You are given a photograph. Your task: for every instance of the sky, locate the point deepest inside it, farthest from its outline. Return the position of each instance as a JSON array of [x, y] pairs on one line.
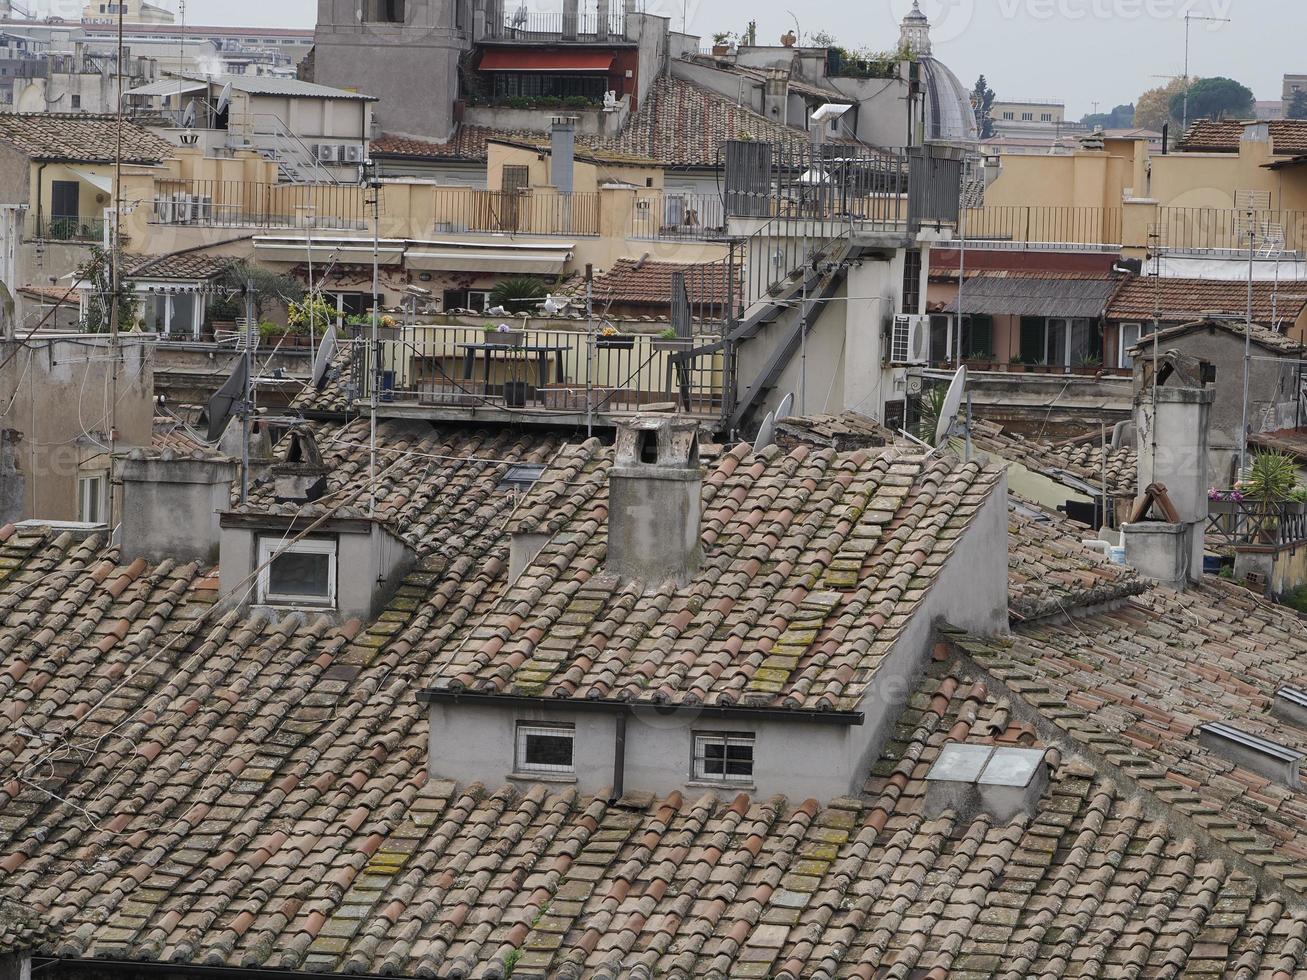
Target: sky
[[1078, 51]]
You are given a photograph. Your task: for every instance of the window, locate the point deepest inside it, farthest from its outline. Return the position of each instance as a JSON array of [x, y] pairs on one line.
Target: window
[[723, 757], [1046, 117], [1027, 117], [76, 101], [384, 11], [91, 498], [1130, 334], [1010, 116], [545, 748], [303, 574], [477, 300]]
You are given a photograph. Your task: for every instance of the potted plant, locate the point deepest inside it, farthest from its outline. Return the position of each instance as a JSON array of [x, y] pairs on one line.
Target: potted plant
[[271, 332], [1297, 503], [503, 335], [520, 294], [608, 338], [1270, 481], [1223, 501], [1089, 365], [721, 44], [222, 313], [669, 341]]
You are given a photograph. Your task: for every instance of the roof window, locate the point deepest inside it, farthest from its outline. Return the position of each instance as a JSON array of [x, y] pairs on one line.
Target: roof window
[[521, 477], [1001, 781]]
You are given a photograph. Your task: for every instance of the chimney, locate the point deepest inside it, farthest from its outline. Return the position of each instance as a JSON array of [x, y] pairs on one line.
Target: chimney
[[776, 96], [301, 477], [655, 501], [562, 158], [1171, 420], [171, 504]]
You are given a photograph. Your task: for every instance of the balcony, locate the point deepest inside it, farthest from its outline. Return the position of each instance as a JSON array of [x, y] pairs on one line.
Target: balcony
[[554, 375], [249, 204], [587, 26], [85, 229]]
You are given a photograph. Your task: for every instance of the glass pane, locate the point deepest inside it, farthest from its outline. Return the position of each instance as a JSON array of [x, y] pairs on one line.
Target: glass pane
[[939, 339], [739, 759], [152, 313], [183, 315], [551, 750], [1057, 340], [296, 574], [1032, 340]]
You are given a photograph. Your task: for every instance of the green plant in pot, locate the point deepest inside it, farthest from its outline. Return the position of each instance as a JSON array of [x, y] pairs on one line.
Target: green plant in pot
[[518, 295], [1269, 483]]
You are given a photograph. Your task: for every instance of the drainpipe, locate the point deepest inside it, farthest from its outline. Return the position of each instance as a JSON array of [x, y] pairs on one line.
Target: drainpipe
[[40, 179], [619, 760]]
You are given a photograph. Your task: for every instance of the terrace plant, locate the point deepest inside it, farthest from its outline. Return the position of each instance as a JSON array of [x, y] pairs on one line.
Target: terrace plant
[[518, 295]]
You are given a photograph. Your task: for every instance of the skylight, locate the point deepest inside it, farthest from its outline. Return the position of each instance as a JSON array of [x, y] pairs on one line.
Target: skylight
[[521, 477]]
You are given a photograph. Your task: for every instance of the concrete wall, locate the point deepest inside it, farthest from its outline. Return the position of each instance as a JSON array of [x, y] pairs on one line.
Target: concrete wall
[[171, 506], [55, 393]]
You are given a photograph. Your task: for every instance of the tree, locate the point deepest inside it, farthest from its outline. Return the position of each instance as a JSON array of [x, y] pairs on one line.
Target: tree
[[982, 100], [1297, 108], [1153, 108], [1215, 98], [269, 286], [97, 273], [1122, 117]]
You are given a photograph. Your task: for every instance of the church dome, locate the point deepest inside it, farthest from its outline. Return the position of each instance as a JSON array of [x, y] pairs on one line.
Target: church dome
[[950, 117]]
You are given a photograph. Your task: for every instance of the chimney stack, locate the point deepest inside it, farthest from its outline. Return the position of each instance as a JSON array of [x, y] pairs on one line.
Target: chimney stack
[[655, 501], [171, 504], [302, 477], [1172, 423], [562, 157]]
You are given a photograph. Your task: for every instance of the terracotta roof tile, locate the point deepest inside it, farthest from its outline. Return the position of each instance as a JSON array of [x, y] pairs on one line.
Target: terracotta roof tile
[[80, 138], [1082, 459], [1288, 136], [1140, 298], [636, 282]]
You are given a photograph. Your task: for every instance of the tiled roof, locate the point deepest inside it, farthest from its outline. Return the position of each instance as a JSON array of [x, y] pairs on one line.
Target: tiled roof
[[186, 265], [171, 434], [1051, 573], [849, 430], [1291, 441], [649, 283], [1261, 337], [813, 563], [1134, 684], [1082, 459], [256, 797], [1140, 297], [21, 929], [1288, 136], [678, 123], [1001, 293], [80, 138]]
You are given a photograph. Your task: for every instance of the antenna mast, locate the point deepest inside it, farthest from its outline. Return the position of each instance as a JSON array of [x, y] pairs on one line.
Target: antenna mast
[[115, 271]]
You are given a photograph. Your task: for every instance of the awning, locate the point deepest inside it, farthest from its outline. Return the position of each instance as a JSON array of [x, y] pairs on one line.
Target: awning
[[168, 87], [101, 182], [527, 60], [276, 248], [544, 260], [1012, 296]]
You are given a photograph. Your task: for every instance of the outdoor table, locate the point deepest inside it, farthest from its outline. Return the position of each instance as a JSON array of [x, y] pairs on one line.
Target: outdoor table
[[541, 352]]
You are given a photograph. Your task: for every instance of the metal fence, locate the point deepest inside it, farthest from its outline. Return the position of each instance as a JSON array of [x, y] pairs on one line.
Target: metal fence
[[549, 371], [672, 216], [1038, 225], [585, 26], [529, 212], [238, 203], [1226, 229], [66, 228]]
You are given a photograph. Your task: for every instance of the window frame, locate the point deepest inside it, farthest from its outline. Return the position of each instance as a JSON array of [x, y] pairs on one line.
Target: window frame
[[698, 771], [85, 480], [524, 729], [271, 547]]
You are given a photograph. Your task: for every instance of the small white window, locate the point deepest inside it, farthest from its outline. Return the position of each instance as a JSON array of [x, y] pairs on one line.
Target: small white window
[[545, 748], [1131, 334], [91, 497], [300, 574], [723, 757]]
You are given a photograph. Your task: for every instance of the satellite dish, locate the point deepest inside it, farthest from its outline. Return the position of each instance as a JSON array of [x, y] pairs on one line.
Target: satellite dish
[[766, 434], [188, 117], [786, 409], [948, 416], [224, 100], [322, 362], [222, 406]]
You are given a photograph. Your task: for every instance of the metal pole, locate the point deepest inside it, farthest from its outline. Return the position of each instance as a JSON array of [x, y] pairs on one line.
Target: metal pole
[[589, 350], [115, 271], [1248, 344], [247, 399], [962, 269], [376, 339], [1184, 125]]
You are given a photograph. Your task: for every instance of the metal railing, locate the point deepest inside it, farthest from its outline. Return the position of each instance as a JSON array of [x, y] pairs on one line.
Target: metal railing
[[547, 371], [240, 204], [1227, 229], [66, 228], [1029, 226], [585, 26], [1244, 523], [670, 216], [533, 212]]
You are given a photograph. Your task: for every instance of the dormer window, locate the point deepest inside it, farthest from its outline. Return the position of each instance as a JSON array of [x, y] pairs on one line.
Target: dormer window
[[302, 573], [723, 757], [546, 749]]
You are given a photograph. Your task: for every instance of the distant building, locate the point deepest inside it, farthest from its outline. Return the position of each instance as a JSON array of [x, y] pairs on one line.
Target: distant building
[[134, 12]]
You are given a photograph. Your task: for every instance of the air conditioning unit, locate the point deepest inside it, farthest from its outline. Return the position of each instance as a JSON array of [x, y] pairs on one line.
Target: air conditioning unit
[[910, 339], [328, 153], [353, 153], [202, 208]]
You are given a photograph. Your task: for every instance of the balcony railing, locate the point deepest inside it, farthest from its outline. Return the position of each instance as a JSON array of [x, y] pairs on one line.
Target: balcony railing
[[1033, 226], [1250, 523], [586, 27], [65, 228], [535, 212], [249, 204], [546, 372], [1224, 229], [679, 217]]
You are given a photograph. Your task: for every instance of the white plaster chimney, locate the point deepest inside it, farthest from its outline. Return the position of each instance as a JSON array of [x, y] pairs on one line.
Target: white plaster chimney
[[171, 504], [655, 501]]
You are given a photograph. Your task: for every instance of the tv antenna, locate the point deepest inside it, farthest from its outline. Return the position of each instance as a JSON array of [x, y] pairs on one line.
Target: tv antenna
[[1189, 19]]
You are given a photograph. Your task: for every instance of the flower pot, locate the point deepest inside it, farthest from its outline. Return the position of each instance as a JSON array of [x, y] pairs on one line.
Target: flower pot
[[516, 394], [1221, 506], [615, 343], [506, 338], [721, 50]]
